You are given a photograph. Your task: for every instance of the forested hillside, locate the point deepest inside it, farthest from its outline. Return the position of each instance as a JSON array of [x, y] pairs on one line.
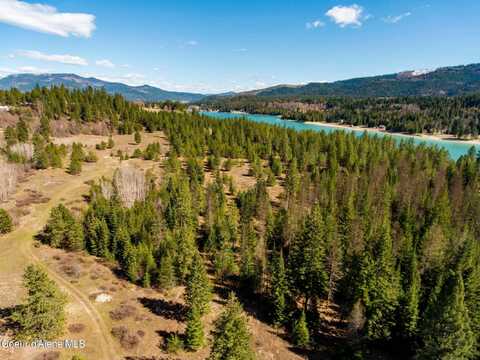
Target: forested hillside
[[446, 81], [387, 232], [459, 115]]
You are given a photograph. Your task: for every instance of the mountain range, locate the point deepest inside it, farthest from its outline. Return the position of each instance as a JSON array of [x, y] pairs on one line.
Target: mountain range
[[26, 82], [446, 81]]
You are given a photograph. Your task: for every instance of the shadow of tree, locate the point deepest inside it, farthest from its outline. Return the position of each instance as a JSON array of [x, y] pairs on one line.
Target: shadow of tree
[[6, 323], [167, 309]]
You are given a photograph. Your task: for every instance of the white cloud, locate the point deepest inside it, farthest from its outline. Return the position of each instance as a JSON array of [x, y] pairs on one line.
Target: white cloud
[[105, 63], [46, 19], [346, 15], [64, 59], [314, 24], [240, 50], [22, 69], [396, 19], [132, 79], [192, 43], [32, 69]]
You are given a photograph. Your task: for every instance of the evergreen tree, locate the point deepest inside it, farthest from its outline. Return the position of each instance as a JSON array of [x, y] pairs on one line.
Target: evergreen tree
[[137, 137], [278, 289], [63, 230], [22, 131], [447, 332], [194, 335], [380, 287], [75, 166], [199, 290], [10, 135], [300, 334], [410, 299], [166, 272], [42, 315], [306, 262], [231, 338]]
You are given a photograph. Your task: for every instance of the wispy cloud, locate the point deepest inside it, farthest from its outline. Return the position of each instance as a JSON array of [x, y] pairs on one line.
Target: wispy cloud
[[63, 59], [192, 43], [32, 69], [105, 63], [346, 15], [22, 69], [314, 24], [46, 19], [240, 50], [396, 19]]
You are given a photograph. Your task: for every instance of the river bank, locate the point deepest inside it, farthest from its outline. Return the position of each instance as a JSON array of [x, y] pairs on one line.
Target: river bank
[[436, 137]]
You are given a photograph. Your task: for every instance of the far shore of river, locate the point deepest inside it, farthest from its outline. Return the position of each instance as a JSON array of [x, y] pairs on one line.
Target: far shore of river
[[448, 137]]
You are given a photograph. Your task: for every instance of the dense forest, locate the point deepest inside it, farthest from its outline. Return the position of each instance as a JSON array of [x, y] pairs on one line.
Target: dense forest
[[387, 231], [459, 116]]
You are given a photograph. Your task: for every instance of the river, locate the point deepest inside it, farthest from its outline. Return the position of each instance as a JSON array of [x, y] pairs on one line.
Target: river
[[454, 148]]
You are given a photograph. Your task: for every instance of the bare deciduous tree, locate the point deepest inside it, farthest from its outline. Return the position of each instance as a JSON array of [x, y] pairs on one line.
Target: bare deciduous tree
[[129, 184], [23, 149], [8, 179]]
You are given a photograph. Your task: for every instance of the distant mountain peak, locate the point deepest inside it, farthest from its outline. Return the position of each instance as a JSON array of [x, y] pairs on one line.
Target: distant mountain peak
[[26, 82]]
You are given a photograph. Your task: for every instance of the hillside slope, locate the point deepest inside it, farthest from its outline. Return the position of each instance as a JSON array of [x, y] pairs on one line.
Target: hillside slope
[[26, 82], [449, 81]]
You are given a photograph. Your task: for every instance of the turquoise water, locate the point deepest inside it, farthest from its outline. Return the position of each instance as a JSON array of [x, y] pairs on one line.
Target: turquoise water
[[454, 148]]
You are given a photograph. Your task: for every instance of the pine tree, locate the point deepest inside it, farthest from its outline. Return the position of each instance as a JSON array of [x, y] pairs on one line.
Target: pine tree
[[447, 333], [381, 287], [166, 272], [10, 136], [231, 338], [137, 137], [469, 264], [300, 334], [42, 315], [6, 223], [194, 334], [75, 166], [199, 290], [22, 131], [63, 230], [410, 299], [306, 262], [130, 262], [278, 289], [248, 245]]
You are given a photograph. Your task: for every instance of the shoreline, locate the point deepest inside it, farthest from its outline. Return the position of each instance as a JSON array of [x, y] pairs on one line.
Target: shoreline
[[442, 137]]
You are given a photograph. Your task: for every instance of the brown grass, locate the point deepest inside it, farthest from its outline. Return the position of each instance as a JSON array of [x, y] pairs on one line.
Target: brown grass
[[76, 328]]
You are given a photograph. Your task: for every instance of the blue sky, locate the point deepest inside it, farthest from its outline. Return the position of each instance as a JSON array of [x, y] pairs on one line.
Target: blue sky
[[213, 46]]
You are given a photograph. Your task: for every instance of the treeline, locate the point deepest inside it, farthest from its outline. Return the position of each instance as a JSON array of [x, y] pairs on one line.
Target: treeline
[[459, 115], [88, 105], [389, 232]]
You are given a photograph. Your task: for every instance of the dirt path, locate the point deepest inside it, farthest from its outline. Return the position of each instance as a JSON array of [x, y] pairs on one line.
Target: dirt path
[[16, 249]]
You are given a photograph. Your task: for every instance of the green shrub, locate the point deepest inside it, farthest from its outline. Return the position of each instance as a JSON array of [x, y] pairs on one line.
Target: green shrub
[[6, 224], [174, 344]]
